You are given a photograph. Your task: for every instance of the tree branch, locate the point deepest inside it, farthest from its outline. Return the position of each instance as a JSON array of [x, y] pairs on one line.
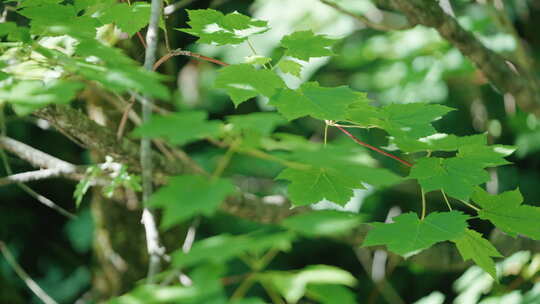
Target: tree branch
[[508, 77], [381, 20], [34, 156], [31, 176], [155, 250]]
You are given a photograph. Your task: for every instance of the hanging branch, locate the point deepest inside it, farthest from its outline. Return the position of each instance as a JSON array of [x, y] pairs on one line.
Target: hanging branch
[[155, 251], [385, 21]]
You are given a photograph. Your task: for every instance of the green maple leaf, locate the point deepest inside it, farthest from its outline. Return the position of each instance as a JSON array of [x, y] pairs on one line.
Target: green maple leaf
[[472, 245], [14, 32], [332, 175], [129, 18], [180, 128], [305, 45], [457, 176], [290, 67], [507, 213], [28, 96], [116, 71], [55, 19], [313, 100], [412, 120], [212, 26], [188, 195], [487, 156], [313, 185], [409, 234], [404, 122], [441, 142], [243, 81]]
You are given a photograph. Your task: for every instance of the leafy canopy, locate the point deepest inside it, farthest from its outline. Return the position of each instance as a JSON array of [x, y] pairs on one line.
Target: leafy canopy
[[67, 50]]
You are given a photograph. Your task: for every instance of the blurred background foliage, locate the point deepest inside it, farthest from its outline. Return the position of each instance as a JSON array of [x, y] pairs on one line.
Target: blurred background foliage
[[410, 65]]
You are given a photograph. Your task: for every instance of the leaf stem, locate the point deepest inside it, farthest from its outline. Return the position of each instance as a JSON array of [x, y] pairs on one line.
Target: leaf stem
[[244, 287], [274, 296], [446, 200], [423, 194], [358, 141], [325, 133], [263, 155], [470, 205], [256, 54], [224, 161]]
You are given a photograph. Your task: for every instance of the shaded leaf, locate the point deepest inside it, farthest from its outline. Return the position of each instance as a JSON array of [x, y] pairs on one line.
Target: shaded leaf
[[180, 128], [185, 196]]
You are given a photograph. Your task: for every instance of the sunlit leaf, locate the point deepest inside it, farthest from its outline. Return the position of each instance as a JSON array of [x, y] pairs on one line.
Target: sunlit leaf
[[243, 81], [292, 285], [316, 101], [212, 26], [305, 45]]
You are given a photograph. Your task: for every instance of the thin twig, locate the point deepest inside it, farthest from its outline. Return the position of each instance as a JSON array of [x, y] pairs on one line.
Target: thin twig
[[32, 285], [358, 141], [179, 52], [125, 115], [155, 251], [224, 161], [423, 194], [446, 200]]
